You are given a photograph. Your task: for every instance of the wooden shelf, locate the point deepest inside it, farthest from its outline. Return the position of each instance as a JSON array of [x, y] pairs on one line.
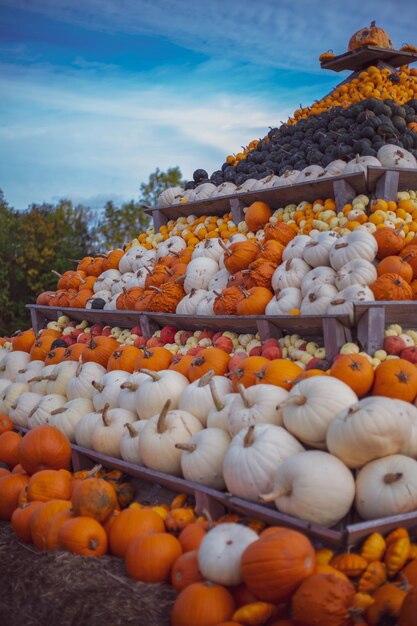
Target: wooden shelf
[[362, 58]]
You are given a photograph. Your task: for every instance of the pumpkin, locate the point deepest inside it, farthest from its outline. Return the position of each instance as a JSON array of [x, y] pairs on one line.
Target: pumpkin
[[373, 547], [356, 371], [9, 448], [150, 558], [50, 485], [238, 256], [279, 231], [124, 358], [397, 555], [259, 274], [407, 616], [317, 276], [83, 535], [350, 564], [209, 359], [396, 265], [245, 373], [107, 432], [355, 272], [255, 613], [192, 535], [258, 404], [388, 601], [276, 564], [227, 301], [41, 519], [370, 36], [323, 599], [290, 274], [316, 252], [254, 301], [199, 273], [357, 244], [132, 523], [272, 251], [20, 520], [159, 387], [202, 604], [10, 487], [155, 359], [99, 350], [44, 448], [52, 541], [23, 340], [390, 242], [185, 571], [410, 572], [396, 378], [392, 156], [94, 497], [279, 372], [203, 455], [391, 287], [373, 577], [257, 215]]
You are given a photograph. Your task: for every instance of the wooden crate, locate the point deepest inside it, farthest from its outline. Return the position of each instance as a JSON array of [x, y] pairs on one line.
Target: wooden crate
[[362, 58]]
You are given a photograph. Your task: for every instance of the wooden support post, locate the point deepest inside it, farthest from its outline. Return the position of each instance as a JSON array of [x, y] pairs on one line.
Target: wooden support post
[[371, 329], [148, 326], [335, 334], [80, 462], [159, 220], [267, 330], [343, 193], [38, 320], [387, 185], [236, 207], [203, 502]]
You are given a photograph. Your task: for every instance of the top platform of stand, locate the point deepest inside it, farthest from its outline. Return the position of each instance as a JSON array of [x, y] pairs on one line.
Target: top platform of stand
[[357, 60]]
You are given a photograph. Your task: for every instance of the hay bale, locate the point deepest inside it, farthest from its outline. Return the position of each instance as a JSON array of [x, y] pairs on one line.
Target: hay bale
[[61, 589]]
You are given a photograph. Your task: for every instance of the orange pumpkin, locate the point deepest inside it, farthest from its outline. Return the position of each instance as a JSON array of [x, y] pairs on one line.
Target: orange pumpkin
[[74, 352], [202, 604], [150, 558], [154, 359], [257, 215], [9, 448], [50, 485], [44, 447], [23, 340], [181, 363], [226, 301], [275, 565], [41, 519], [10, 487], [396, 265], [407, 616], [388, 601], [111, 262], [100, 350], [351, 564], [185, 571], [279, 372], [396, 378], [179, 518], [370, 36], [323, 599], [259, 274], [410, 251], [254, 301], [355, 370], [83, 535], [245, 374], [271, 250], [410, 572], [132, 523], [192, 535], [52, 541], [254, 614], [4, 472], [209, 359], [55, 356], [373, 577], [20, 520], [5, 423], [389, 242], [281, 232], [94, 497], [238, 256], [391, 287], [124, 358]]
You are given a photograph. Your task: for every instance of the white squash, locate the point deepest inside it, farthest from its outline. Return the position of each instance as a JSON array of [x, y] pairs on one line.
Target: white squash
[[288, 178], [84, 429], [316, 253], [359, 244], [189, 303], [220, 553], [246, 186], [41, 412], [294, 249], [161, 433], [312, 404], [172, 245], [167, 197], [225, 189], [387, 487], [205, 306], [12, 363], [4, 382], [79, 386], [19, 411], [343, 302], [219, 280], [10, 394], [129, 443], [355, 272], [394, 156], [160, 387], [40, 380], [205, 190], [360, 164], [107, 432], [138, 278], [313, 486], [199, 273], [317, 300], [106, 280], [209, 248], [143, 259], [284, 302], [67, 417], [266, 183], [62, 373], [317, 276], [260, 404], [311, 172], [197, 398], [290, 274], [335, 168], [372, 428], [121, 283], [128, 389], [253, 456], [203, 455], [103, 295], [219, 413], [107, 389], [33, 368]]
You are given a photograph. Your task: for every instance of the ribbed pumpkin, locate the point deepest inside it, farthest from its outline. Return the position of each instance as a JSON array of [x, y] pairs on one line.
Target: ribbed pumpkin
[[238, 256], [356, 371], [271, 250], [192, 535], [410, 251], [391, 287], [280, 232], [20, 520], [10, 487], [181, 363], [323, 599], [396, 265], [257, 215], [150, 558], [389, 242], [124, 358], [23, 340], [132, 523], [50, 485], [94, 497], [388, 601], [370, 36], [276, 564], [185, 571], [9, 448], [6, 424], [245, 373], [45, 447], [280, 372], [396, 378], [42, 517], [408, 611], [259, 274], [202, 604], [84, 536], [100, 350], [227, 301], [209, 359], [154, 359], [254, 301]]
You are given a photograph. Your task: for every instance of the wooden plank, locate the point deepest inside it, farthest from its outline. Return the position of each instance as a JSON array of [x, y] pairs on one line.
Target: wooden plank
[[358, 531], [387, 186], [267, 330], [404, 313], [236, 207], [148, 326], [38, 320], [159, 219], [335, 335], [343, 193], [407, 178], [205, 505], [371, 329], [362, 58]]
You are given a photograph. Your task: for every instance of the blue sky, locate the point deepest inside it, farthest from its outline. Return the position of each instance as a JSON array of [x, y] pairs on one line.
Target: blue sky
[[96, 94]]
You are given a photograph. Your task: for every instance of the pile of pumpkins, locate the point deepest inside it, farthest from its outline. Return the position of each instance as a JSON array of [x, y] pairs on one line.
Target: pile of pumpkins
[[229, 571]]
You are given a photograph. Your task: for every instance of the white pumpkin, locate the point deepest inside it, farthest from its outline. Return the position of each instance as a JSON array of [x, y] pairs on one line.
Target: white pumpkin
[[204, 191], [127, 396], [372, 428], [209, 248], [219, 280], [359, 244], [121, 283], [10, 394], [103, 295], [360, 164], [355, 272], [106, 280], [129, 443], [3, 359], [172, 245], [167, 197], [107, 389], [40, 380], [4, 382], [13, 362], [62, 373], [266, 183], [317, 276], [253, 456], [220, 553], [84, 429], [125, 263], [260, 404], [294, 249], [394, 156], [107, 432], [219, 413], [197, 398], [161, 433], [284, 302], [111, 305], [386, 487], [160, 387], [317, 300], [290, 274], [143, 259], [225, 189], [410, 446], [189, 303], [312, 404], [205, 306], [316, 253], [203, 455], [67, 417], [41, 412], [246, 186], [314, 486], [311, 172], [138, 278], [199, 273], [79, 386], [343, 303], [288, 178], [19, 411], [335, 168], [27, 373]]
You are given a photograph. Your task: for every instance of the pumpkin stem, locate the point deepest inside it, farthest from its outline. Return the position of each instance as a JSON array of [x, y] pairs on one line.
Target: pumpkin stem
[[226, 250], [249, 437], [159, 291], [217, 402], [98, 386], [148, 270], [204, 380], [104, 415], [389, 479], [161, 425], [51, 377], [338, 246], [58, 411], [56, 273], [129, 386], [75, 260], [294, 401], [407, 257], [339, 301], [132, 431], [312, 244], [36, 379], [80, 366], [94, 470], [34, 409], [270, 497], [188, 447], [288, 265], [13, 407], [373, 24], [244, 291], [245, 400], [154, 375]]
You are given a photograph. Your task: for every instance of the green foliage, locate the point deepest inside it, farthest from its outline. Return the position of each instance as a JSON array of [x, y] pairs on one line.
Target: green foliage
[[117, 225], [158, 181]]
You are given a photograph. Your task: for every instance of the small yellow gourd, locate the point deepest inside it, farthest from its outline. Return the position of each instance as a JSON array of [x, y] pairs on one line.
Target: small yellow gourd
[[373, 548], [254, 614], [361, 601], [373, 577], [328, 569], [351, 564], [413, 551], [398, 533], [324, 556], [397, 555]]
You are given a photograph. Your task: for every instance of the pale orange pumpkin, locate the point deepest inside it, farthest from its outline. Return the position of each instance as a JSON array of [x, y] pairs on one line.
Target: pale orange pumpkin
[[355, 370], [396, 378], [150, 558], [202, 604], [185, 571], [257, 215], [84, 536]]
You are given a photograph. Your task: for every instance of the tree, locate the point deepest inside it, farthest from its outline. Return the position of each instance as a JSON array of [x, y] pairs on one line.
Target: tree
[[119, 225], [8, 232], [158, 181]]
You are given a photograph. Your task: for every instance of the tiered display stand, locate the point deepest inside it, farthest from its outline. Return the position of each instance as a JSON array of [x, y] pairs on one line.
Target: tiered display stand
[[368, 327]]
